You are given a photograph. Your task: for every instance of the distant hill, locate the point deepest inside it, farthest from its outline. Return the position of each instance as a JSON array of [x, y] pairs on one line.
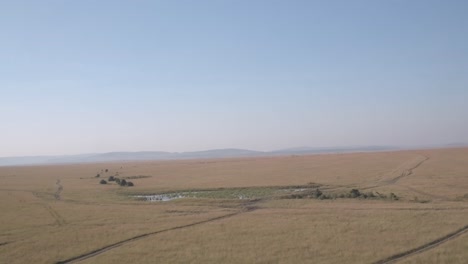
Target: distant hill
[[310, 150], [127, 156], [207, 154]]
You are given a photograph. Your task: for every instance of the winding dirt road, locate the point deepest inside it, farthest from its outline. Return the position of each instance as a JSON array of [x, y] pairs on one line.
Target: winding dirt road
[[126, 241], [400, 256], [400, 173]]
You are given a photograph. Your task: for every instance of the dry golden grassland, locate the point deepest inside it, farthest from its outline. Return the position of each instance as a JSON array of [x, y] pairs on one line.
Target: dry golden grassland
[[39, 223]]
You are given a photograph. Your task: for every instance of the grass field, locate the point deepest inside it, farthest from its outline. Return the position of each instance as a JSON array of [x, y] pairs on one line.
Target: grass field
[[53, 214]]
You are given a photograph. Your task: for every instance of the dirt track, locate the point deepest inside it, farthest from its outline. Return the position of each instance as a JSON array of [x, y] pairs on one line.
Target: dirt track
[[423, 248], [59, 190], [59, 220], [402, 174], [4, 243], [123, 242], [406, 173]]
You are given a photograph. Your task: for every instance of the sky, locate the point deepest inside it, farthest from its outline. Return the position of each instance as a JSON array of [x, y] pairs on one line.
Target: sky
[[100, 76]]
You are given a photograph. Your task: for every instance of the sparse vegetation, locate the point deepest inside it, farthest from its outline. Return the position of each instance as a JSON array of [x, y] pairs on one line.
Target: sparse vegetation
[[103, 182], [417, 200], [393, 197], [136, 177], [111, 178]]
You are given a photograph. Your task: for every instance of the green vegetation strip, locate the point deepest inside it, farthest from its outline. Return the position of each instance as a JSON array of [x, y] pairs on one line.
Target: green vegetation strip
[[279, 192]]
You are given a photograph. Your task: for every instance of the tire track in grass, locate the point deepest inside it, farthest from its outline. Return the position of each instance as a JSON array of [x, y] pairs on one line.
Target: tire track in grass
[[394, 180], [406, 173], [59, 220], [424, 193], [428, 246], [59, 190], [129, 240], [4, 243]]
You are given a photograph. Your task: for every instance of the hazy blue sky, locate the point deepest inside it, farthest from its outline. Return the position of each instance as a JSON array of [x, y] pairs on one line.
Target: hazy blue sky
[[97, 76]]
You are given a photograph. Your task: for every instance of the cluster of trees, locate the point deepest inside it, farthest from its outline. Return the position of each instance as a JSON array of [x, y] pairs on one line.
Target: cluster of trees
[[313, 194], [354, 193], [121, 182]]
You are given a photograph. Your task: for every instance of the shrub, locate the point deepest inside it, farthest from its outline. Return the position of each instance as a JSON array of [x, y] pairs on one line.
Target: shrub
[[107, 170], [382, 196], [393, 197], [318, 193], [354, 193], [103, 182], [130, 184], [294, 196], [98, 175], [123, 183], [111, 178], [117, 180]]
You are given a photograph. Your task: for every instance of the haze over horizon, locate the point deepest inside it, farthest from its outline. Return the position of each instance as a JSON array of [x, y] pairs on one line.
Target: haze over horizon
[[94, 77]]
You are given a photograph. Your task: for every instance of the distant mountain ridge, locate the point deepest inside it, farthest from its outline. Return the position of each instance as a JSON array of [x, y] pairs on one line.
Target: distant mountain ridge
[[127, 156], [206, 154]]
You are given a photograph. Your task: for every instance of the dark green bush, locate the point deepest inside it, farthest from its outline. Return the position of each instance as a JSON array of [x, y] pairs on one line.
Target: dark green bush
[[354, 193], [123, 183]]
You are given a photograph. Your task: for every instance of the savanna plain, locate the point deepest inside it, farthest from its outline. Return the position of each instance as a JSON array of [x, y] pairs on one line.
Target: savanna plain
[[382, 207]]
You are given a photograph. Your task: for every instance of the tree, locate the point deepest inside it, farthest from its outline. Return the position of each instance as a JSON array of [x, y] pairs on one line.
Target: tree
[[130, 184], [103, 182], [123, 183], [355, 193], [111, 178]]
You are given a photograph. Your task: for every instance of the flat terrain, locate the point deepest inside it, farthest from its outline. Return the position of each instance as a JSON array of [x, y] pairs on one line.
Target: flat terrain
[[406, 207]]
